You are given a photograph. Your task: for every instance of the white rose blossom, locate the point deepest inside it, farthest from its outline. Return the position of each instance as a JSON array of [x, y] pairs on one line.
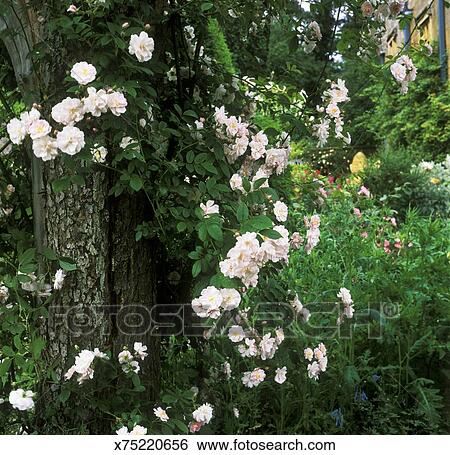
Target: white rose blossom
[[313, 233], [142, 46], [45, 148], [83, 72], [231, 299], [4, 293], [253, 378], [210, 208], [208, 304], [138, 430], [16, 131], [39, 128], [96, 103], [28, 117], [59, 279], [99, 153], [126, 359], [68, 112], [83, 364], [70, 140], [345, 296], [236, 333], [117, 103], [161, 414], [249, 348], [203, 414], [280, 210], [280, 375], [319, 365], [140, 350], [236, 183], [404, 72], [331, 113], [21, 399], [226, 367]]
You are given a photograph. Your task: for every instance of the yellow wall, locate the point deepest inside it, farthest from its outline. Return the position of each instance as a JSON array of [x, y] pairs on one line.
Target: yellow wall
[[425, 26]]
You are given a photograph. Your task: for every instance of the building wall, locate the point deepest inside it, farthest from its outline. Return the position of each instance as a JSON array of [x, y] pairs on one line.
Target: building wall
[[424, 26]]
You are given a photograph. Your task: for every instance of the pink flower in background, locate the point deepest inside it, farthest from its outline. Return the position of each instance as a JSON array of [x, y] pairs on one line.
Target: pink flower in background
[[398, 244], [357, 212], [367, 9], [393, 222], [386, 246], [364, 234], [323, 192], [210, 208], [363, 191], [195, 426], [296, 240]]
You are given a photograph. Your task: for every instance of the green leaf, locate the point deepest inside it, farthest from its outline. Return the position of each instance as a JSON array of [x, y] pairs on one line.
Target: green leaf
[[190, 156], [209, 166], [196, 268], [169, 398], [180, 425], [202, 231], [206, 6], [221, 281], [258, 183], [257, 223], [64, 395], [215, 231], [246, 184], [138, 387], [271, 234], [18, 342], [136, 182], [28, 268], [181, 226], [242, 212], [23, 278], [36, 347], [49, 254], [191, 113], [195, 254], [4, 367], [27, 256], [8, 351], [78, 180], [67, 265], [26, 261], [61, 184]]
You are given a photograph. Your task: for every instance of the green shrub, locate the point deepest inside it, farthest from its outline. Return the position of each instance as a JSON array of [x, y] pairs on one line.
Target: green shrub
[[393, 181], [418, 120], [384, 372], [220, 49]]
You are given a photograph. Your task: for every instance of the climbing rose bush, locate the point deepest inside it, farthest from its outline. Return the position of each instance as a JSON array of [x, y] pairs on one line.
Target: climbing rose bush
[[215, 193]]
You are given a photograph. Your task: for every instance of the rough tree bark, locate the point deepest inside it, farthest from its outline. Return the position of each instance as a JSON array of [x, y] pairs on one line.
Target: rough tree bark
[[115, 275]]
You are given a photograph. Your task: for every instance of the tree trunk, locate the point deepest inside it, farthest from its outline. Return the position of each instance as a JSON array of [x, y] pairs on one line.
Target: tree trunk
[[115, 276]]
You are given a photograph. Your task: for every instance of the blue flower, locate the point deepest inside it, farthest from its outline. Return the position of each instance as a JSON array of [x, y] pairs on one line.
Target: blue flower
[[338, 417], [376, 377], [360, 394]]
